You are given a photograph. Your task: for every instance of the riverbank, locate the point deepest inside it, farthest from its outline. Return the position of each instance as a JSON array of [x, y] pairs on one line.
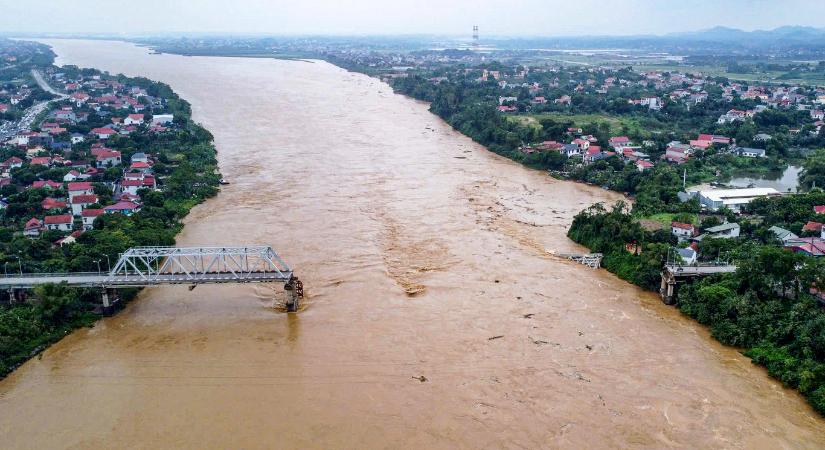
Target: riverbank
[[180, 154]]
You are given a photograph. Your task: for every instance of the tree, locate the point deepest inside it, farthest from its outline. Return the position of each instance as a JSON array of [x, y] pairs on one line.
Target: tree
[[814, 171]]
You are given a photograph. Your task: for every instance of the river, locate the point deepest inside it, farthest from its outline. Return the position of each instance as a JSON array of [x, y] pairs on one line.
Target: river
[[422, 255]]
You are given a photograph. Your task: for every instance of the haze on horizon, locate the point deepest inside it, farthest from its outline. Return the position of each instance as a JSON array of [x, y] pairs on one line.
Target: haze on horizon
[[451, 17]]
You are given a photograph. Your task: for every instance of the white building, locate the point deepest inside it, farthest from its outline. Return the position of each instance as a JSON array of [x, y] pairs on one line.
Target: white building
[[733, 199], [160, 119]]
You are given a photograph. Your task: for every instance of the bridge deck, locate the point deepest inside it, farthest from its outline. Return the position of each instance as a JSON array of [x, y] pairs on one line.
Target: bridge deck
[[28, 281], [689, 271]]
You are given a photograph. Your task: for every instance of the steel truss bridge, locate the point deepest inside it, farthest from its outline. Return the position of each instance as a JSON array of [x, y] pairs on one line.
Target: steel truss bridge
[[151, 266]]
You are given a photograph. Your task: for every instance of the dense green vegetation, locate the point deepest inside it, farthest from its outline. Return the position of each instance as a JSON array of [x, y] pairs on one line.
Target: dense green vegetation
[[764, 308], [188, 169]]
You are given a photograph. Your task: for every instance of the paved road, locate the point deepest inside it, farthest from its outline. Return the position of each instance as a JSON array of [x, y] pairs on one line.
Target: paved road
[[45, 86], [700, 270], [27, 281], [10, 129]]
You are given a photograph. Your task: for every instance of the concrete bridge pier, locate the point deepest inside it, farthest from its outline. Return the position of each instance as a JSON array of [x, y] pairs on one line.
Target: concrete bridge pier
[[17, 296], [108, 297], [668, 288], [294, 292]]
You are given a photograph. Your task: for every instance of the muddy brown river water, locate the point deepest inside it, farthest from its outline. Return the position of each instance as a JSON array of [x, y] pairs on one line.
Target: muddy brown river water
[[370, 197]]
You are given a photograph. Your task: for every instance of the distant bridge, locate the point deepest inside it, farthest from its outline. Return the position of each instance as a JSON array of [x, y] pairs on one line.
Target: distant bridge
[[592, 260], [151, 266], [674, 273]]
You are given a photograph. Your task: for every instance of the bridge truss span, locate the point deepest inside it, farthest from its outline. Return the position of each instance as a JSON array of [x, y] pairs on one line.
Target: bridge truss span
[[152, 266], [161, 265]]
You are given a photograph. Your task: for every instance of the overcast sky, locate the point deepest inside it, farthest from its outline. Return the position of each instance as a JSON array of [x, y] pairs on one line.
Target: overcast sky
[[455, 17]]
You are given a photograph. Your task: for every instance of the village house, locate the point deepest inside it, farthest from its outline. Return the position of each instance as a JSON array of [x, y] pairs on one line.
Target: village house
[[41, 161], [88, 217], [104, 133], [133, 119], [122, 207], [571, 150], [139, 157], [813, 227], [724, 231], [162, 119], [619, 142], [32, 228], [783, 234], [47, 184], [682, 231], [81, 202], [643, 165], [810, 246], [678, 153], [14, 162], [80, 188], [52, 203], [62, 222], [107, 158], [68, 240], [688, 255]]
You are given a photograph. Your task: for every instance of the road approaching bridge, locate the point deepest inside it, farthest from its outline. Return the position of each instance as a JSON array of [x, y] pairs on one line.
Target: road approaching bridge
[[673, 274], [151, 266]]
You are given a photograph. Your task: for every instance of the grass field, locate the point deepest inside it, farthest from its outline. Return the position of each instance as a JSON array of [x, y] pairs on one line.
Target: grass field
[[642, 62], [579, 120], [666, 218]]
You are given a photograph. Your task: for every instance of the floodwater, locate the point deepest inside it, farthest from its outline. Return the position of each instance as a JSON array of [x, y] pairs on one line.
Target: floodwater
[[784, 181], [423, 255]]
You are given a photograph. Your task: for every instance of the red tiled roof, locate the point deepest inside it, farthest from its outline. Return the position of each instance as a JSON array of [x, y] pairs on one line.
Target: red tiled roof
[[61, 219], [52, 203], [90, 212], [122, 206], [85, 198], [42, 160], [683, 226], [813, 226], [80, 186], [819, 209], [47, 183]]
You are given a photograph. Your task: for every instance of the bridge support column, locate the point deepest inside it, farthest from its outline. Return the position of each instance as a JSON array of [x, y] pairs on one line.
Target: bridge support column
[[668, 288], [108, 296], [294, 291]]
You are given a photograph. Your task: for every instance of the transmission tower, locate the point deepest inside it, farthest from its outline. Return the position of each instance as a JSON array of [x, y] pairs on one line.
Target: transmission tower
[[475, 36]]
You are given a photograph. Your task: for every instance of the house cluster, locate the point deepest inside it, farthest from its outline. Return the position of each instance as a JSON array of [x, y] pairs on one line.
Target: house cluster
[[812, 243], [657, 89], [76, 142], [12, 96]]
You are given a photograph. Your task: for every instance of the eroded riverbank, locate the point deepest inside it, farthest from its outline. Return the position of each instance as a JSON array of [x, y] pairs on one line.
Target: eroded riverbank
[[369, 195]]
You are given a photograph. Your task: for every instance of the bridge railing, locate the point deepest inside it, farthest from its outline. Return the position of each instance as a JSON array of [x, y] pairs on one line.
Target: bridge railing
[[52, 274]]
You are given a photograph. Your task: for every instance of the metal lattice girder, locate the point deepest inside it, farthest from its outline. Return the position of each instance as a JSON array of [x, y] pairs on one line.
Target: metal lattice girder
[[206, 264]]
